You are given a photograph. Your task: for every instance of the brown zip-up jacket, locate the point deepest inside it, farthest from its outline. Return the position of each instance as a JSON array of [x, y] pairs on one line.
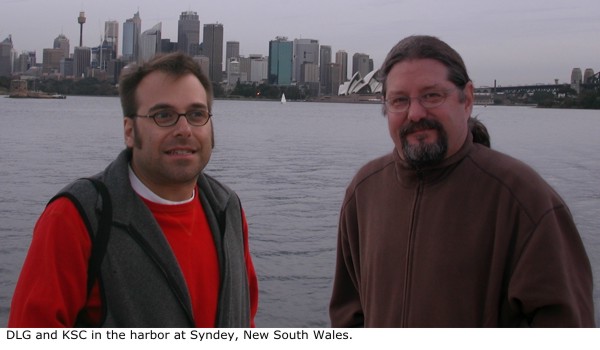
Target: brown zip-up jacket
[[478, 241]]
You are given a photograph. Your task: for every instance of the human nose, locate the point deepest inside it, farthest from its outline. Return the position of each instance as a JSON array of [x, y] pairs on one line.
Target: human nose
[[182, 125], [416, 111]]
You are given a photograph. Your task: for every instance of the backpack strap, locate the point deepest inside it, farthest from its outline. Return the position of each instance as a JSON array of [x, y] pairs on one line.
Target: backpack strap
[[100, 239]]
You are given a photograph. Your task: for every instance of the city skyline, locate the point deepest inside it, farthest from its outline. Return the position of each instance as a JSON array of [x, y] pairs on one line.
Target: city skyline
[[513, 43]]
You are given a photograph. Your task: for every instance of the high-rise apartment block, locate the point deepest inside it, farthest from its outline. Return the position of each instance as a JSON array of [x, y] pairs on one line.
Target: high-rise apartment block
[[188, 33], [213, 49]]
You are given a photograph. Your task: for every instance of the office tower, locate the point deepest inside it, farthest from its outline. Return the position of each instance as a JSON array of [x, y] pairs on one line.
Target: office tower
[[333, 79], [132, 29], [188, 32], [61, 42], [324, 64], [281, 52], [213, 49], [150, 42], [51, 60], [111, 37], [6, 57], [587, 74], [259, 68], [82, 57], [360, 64], [233, 72], [232, 50], [81, 21], [306, 51], [341, 58]]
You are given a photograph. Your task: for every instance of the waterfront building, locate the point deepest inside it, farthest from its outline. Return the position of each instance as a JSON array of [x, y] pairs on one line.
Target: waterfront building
[[61, 42], [324, 65], [232, 50], [111, 38], [361, 64], [188, 32], [306, 51], [280, 61], [213, 49], [341, 58], [333, 80], [132, 29], [233, 72], [82, 57], [51, 60], [587, 74], [67, 67], [259, 68], [7, 54], [576, 79], [150, 42]]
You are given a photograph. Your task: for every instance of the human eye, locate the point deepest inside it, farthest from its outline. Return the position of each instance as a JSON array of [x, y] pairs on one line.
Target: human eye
[[198, 115], [432, 96], [399, 101], [164, 115]]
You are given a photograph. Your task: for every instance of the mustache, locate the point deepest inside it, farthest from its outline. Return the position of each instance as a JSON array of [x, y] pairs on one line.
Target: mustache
[[422, 124]]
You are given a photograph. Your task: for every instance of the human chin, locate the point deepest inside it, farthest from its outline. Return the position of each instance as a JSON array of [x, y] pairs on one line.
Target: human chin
[[424, 143]]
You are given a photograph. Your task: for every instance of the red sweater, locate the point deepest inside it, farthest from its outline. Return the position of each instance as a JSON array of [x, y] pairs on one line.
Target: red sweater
[[52, 286]]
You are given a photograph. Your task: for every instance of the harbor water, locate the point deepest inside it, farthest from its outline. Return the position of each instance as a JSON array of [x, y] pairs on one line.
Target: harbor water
[[290, 164]]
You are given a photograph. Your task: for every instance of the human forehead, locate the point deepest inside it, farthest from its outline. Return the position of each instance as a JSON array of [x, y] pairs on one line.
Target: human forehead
[[417, 75], [161, 88]]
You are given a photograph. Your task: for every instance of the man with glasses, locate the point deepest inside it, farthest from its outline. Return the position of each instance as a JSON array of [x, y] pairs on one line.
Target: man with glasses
[[151, 241], [445, 232]]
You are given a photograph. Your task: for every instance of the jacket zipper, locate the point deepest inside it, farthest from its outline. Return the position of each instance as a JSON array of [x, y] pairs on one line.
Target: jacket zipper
[[409, 251]]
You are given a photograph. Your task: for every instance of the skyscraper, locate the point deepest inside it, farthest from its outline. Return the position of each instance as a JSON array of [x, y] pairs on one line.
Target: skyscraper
[[232, 49], [6, 57], [188, 32], [82, 57], [150, 42], [360, 63], [213, 49], [341, 58], [324, 64], [280, 61], [111, 37], [61, 42], [306, 51], [132, 29]]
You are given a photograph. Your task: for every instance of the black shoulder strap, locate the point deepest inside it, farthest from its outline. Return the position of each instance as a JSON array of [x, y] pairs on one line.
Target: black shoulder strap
[[100, 239]]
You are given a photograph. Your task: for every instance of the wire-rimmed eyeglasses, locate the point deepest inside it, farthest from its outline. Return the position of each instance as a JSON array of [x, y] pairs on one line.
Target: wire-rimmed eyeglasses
[[430, 99]]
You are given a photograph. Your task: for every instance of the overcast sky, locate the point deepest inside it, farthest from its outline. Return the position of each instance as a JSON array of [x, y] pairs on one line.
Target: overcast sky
[[514, 42]]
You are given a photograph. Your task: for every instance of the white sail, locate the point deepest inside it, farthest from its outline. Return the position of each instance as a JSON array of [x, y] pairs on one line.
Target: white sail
[[283, 100]]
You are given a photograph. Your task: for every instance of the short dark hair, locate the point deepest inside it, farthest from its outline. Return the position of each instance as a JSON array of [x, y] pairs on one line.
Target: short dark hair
[[423, 47], [177, 64]]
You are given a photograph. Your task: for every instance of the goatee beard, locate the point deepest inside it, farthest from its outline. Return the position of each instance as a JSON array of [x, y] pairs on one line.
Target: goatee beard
[[424, 154]]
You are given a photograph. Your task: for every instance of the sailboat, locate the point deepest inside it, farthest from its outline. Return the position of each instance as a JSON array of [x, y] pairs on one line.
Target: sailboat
[[283, 100]]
